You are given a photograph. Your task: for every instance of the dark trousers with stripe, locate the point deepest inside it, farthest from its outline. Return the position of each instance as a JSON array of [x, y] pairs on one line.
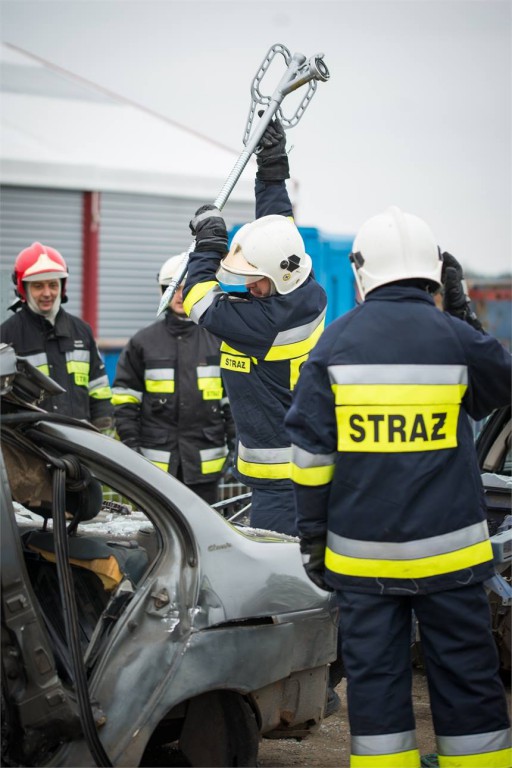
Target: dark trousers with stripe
[[460, 655]]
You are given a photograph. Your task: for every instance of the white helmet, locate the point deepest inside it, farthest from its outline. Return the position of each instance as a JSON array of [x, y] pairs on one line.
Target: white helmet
[[268, 247], [394, 246], [170, 267]]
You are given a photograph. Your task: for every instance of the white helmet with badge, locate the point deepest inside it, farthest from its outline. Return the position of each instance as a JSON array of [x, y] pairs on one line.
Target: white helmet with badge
[[267, 247]]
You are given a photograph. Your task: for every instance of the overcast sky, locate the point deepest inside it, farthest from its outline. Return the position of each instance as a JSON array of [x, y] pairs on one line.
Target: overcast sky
[[416, 113]]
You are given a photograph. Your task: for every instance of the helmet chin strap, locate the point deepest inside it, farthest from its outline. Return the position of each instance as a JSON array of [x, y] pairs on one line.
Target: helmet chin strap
[[358, 281]]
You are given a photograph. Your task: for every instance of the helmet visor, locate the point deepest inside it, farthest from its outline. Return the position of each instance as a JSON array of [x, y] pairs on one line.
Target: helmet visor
[[226, 276]]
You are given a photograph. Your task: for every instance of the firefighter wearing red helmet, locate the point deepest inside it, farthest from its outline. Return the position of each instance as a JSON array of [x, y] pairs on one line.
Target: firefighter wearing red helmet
[[57, 343]]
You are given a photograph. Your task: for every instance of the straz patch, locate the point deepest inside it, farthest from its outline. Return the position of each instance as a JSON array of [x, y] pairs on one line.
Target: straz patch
[[397, 429], [235, 363]]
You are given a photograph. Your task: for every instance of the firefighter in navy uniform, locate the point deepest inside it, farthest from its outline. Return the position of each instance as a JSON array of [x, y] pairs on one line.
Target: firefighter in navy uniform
[[266, 333], [57, 343], [169, 399], [391, 511]]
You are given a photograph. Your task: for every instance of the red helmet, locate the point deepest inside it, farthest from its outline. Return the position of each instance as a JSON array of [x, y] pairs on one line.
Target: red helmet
[[39, 262]]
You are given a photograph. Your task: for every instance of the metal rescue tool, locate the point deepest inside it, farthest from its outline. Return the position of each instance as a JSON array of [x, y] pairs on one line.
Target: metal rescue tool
[[300, 71]]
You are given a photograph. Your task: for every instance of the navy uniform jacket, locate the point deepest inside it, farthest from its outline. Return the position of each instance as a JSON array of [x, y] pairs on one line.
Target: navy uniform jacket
[[264, 344], [67, 352], [384, 461], [169, 400]]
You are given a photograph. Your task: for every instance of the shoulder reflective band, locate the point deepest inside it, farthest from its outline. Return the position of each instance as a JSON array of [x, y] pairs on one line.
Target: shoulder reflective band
[[296, 342], [78, 366], [199, 299], [264, 463], [397, 408], [122, 396], [40, 362], [212, 459], [417, 559], [160, 459], [159, 380], [100, 388], [311, 468], [209, 382]]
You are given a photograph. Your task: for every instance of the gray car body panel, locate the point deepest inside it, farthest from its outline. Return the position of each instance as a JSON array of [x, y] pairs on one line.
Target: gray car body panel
[[220, 608]]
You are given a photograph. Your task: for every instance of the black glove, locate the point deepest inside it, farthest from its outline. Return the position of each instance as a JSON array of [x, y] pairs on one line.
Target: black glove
[[455, 299], [271, 154], [105, 424], [133, 443], [313, 555], [209, 229]]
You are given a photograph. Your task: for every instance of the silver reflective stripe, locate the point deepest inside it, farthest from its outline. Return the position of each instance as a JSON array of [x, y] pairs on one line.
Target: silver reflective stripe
[[398, 374], [78, 355], [101, 381], [303, 459], [202, 305], [224, 402], [37, 360], [127, 392], [163, 457], [265, 455], [383, 744], [159, 374], [474, 743], [301, 333], [409, 550], [208, 454], [208, 371]]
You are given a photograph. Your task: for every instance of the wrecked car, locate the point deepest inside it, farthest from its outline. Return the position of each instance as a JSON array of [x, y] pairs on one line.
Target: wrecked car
[[134, 616]]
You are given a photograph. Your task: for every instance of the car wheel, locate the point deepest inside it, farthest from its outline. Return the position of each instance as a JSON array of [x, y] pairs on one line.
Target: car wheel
[[220, 729]]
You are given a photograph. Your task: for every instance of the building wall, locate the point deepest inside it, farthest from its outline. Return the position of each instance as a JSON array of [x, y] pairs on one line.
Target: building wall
[[137, 233]]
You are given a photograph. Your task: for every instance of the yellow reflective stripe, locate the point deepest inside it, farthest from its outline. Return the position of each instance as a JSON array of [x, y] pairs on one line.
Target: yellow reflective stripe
[[44, 369], [160, 465], [196, 293], [408, 759], [161, 386], [102, 393], [212, 394], [297, 348], [226, 348], [397, 394], [312, 475], [213, 465], [124, 399], [79, 371], [264, 471], [75, 366], [211, 387], [238, 363], [502, 758], [467, 557], [397, 429], [295, 366]]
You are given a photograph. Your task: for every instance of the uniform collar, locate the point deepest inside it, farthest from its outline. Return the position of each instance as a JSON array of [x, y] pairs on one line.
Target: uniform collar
[[399, 293], [61, 327]]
